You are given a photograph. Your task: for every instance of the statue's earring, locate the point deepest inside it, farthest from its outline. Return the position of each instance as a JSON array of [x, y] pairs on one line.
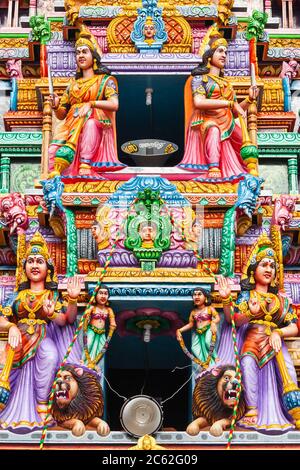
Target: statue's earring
[[273, 283], [48, 278], [208, 62], [95, 66], [252, 280]]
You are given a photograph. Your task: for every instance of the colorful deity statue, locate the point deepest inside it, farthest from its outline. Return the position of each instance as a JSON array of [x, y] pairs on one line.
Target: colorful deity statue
[[204, 321], [265, 316], [95, 340], [31, 321], [149, 30], [85, 143], [213, 140]]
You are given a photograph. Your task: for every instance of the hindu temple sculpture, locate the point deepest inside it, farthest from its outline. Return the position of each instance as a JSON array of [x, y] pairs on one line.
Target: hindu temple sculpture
[[29, 320], [158, 264], [95, 339], [204, 319], [266, 317], [85, 143], [213, 140]]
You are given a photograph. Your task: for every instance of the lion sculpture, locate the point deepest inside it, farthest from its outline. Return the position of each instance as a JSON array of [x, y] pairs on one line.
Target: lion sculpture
[[78, 401], [214, 398]]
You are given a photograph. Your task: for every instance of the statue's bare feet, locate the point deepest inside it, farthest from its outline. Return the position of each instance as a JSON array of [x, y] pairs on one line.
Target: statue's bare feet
[[46, 419], [250, 418], [87, 170], [214, 172]]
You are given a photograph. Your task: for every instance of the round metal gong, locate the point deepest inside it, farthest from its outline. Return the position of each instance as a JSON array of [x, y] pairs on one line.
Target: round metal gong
[[141, 415]]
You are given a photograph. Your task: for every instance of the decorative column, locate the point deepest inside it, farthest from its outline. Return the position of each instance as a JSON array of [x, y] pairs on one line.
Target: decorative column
[[284, 16], [252, 122], [293, 175], [32, 8], [47, 131], [287, 14], [290, 13], [268, 8], [16, 14], [4, 175], [9, 14]]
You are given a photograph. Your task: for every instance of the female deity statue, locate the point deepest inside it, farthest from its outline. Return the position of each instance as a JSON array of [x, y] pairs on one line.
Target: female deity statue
[[28, 323], [204, 320], [213, 139], [267, 317], [85, 143], [94, 336]]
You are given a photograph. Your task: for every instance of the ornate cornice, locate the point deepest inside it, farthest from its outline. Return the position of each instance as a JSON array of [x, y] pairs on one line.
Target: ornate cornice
[[20, 142], [286, 140], [159, 275], [283, 53], [100, 11]]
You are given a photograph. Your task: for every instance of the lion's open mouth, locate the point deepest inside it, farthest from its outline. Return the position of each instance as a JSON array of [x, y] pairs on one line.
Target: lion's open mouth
[[62, 395], [230, 395]]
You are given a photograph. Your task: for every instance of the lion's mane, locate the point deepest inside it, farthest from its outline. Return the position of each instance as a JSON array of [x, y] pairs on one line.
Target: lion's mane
[[87, 404], [206, 400]]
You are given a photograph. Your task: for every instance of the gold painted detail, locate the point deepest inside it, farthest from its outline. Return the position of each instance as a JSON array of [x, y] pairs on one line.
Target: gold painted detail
[[273, 96], [93, 187], [286, 43], [158, 274], [179, 36], [196, 187], [31, 211], [15, 43], [118, 35], [27, 100]]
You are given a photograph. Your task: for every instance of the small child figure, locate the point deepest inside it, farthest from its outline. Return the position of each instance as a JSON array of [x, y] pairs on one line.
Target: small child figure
[[206, 320], [94, 336]]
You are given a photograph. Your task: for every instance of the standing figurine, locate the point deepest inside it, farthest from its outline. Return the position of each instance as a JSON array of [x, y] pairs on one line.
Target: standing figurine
[[85, 143], [267, 317], [206, 320], [31, 334], [213, 139], [95, 341]]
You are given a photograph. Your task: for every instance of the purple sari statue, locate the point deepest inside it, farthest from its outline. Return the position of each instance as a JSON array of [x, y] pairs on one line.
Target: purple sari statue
[[264, 318], [39, 334]]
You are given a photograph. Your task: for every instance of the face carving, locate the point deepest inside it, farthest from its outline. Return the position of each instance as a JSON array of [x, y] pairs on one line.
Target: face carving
[[36, 268], [219, 57], [66, 389], [84, 57], [265, 271], [227, 388]]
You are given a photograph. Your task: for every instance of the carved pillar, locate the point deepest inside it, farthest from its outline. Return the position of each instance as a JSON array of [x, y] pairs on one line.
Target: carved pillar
[[16, 14], [287, 14], [4, 174], [47, 131], [9, 13], [252, 122], [268, 8], [284, 16], [293, 175], [290, 13], [32, 8]]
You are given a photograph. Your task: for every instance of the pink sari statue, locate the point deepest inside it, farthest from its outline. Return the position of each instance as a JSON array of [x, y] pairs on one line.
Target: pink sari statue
[[85, 142], [213, 140]]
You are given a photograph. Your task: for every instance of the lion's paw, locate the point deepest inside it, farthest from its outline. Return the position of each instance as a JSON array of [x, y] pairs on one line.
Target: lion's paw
[[193, 429], [216, 430], [103, 428], [78, 429]]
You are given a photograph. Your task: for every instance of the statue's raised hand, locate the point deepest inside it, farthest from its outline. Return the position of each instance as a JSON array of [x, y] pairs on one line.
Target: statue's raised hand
[[74, 287], [224, 289], [254, 305]]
